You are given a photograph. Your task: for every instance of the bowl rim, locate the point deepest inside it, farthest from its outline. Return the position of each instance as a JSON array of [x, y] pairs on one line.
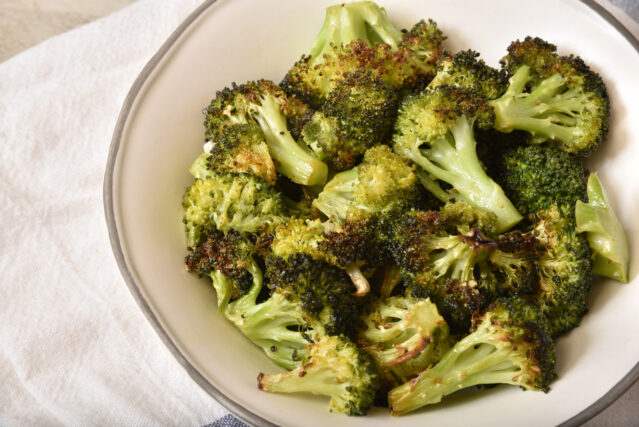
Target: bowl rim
[[233, 407]]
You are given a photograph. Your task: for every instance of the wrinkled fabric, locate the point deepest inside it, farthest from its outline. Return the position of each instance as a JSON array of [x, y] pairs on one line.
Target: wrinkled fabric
[[74, 347]]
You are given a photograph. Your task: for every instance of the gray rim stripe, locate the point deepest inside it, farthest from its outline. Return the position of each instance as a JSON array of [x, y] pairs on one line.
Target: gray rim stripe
[[236, 409]]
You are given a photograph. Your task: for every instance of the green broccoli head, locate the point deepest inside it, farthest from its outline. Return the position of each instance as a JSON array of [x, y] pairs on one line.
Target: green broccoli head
[[229, 254], [509, 345], [555, 98], [279, 326], [226, 201], [458, 265], [537, 177], [333, 367], [323, 291], [564, 269], [466, 70], [239, 149], [357, 36], [435, 130], [264, 104], [347, 247], [382, 183], [604, 233], [357, 114]]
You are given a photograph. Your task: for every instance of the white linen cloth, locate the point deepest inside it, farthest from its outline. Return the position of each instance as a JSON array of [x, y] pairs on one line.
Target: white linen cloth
[[74, 347]]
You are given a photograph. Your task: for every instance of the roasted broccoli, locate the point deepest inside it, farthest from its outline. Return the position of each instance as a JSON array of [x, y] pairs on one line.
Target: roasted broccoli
[[555, 98], [510, 345], [279, 325], [564, 269], [454, 257], [347, 247], [435, 130], [323, 291], [239, 149], [333, 367], [358, 36], [537, 177], [466, 70], [264, 104], [224, 257], [382, 183], [225, 201], [404, 335], [357, 114], [604, 233]]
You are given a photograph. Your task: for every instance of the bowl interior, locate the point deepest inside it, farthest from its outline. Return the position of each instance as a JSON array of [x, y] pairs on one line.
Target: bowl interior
[[243, 40]]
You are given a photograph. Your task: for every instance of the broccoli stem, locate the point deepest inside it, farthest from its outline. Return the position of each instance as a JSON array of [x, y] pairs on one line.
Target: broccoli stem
[[270, 325], [455, 161], [361, 284], [292, 160], [545, 112], [432, 186], [604, 232], [345, 23], [479, 358]]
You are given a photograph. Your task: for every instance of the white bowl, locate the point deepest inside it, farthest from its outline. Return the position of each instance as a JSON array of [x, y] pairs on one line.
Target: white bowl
[[160, 132]]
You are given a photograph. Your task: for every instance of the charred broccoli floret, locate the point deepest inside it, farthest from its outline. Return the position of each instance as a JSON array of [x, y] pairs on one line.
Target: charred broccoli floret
[[466, 70], [224, 257], [435, 130], [347, 247], [404, 335], [278, 325], [454, 257], [382, 183], [564, 269], [322, 290], [333, 367], [264, 104], [239, 149], [357, 36], [357, 114], [604, 233], [536, 177], [510, 345], [226, 201], [555, 98]]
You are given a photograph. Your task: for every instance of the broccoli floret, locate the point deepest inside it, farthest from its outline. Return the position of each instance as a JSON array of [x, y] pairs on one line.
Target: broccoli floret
[[404, 335], [224, 254], [333, 367], [322, 290], [466, 70], [564, 269], [278, 324], [226, 201], [555, 98], [358, 36], [347, 247], [452, 257], [510, 345], [382, 183], [240, 149], [357, 114], [537, 177], [435, 130], [264, 104], [604, 233]]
